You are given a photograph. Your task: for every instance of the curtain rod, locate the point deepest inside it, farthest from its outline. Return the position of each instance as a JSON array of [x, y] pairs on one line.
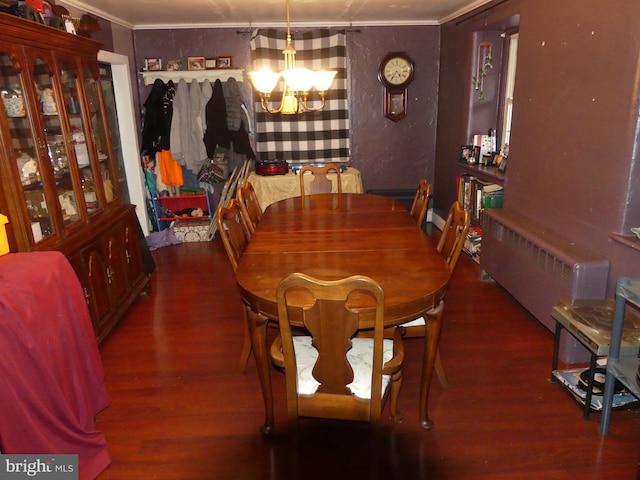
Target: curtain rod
[[481, 12]]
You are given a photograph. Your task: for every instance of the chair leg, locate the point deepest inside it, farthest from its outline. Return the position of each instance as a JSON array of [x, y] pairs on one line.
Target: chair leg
[[396, 383], [442, 376], [246, 348]]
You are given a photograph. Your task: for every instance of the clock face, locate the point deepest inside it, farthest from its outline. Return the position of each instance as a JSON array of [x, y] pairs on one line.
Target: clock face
[[396, 70]]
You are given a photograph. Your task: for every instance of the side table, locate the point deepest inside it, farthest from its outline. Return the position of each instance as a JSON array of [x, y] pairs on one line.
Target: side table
[[622, 365], [590, 322]]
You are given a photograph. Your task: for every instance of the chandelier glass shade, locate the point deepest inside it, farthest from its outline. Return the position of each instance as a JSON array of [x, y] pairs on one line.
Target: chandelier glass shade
[[298, 82]]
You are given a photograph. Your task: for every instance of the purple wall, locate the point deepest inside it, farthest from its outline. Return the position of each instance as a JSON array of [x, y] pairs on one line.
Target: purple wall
[[572, 164], [388, 154]]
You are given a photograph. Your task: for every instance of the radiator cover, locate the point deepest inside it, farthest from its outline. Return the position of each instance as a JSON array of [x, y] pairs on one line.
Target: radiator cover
[[538, 267]]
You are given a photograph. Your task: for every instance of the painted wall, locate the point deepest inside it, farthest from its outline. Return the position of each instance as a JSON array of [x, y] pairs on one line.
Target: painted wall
[[573, 162], [389, 155]]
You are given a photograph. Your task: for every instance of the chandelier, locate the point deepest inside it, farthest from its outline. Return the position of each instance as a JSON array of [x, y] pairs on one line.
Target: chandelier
[[298, 82]]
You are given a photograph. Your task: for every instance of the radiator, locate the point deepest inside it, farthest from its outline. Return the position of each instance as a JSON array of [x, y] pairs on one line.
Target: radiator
[[538, 267]]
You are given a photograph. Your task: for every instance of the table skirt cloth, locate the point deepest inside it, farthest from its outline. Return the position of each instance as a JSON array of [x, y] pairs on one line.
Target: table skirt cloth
[[271, 189], [52, 381]]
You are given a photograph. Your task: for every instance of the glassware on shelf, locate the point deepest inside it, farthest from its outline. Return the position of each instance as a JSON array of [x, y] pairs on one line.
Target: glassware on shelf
[[47, 101], [13, 102], [38, 214], [28, 168], [90, 196], [80, 146], [69, 206], [57, 154]]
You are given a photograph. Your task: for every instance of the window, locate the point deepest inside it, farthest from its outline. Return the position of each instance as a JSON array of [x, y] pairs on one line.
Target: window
[[511, 47]]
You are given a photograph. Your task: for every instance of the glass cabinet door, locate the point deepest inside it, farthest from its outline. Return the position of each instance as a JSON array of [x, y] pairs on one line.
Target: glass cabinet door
[[71, 86], [27, 148], [57, 149], [108, 93], [100, 137]]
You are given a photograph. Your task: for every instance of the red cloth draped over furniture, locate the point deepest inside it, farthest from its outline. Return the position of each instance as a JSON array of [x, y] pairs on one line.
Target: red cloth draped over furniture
[[51, 376]]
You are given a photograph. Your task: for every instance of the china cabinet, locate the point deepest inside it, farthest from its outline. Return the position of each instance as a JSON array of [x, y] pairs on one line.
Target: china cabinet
[[60, 183]]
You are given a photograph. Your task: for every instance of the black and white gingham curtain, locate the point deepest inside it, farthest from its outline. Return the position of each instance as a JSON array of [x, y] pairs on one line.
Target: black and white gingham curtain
[[311, 136]]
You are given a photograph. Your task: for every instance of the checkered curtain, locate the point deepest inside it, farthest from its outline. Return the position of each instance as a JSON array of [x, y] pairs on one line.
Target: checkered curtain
[[311, 136]]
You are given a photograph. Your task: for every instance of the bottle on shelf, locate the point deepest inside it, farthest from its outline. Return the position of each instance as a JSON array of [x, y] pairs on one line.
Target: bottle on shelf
[[90, 196]]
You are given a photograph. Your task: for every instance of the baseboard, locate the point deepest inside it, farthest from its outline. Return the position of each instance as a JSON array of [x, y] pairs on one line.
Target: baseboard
[[436, 219]]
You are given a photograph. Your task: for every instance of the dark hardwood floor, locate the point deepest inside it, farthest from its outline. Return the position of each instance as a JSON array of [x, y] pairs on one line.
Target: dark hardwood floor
[[181, 410]]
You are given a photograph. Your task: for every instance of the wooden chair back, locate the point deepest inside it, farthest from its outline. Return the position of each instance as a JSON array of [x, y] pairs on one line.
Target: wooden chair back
[[332, 327], [249, 205], [320, 182], [233, 231], [450, 246], [235, 238], [421, 202], [454, 234]]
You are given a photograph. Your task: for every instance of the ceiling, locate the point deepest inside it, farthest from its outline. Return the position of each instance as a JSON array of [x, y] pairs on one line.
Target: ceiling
[[146, 14]]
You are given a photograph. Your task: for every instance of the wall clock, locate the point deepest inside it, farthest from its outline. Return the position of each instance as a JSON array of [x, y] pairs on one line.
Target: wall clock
[[395, 73]]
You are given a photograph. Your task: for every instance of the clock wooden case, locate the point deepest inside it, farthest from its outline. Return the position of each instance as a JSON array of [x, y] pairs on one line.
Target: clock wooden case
[[58, 175], [395, 72]]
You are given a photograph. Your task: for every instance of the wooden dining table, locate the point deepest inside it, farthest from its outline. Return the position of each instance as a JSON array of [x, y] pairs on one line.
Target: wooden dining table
[[332, 236]]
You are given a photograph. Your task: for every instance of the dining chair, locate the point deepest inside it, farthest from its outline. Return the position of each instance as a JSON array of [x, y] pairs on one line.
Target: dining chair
[[329, 373], [320, 183], [250, 206], [235, 238], [421, 202], [450, 246]]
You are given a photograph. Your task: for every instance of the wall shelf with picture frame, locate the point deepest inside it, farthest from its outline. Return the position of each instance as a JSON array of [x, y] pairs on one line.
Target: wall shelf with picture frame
[[189, 75]]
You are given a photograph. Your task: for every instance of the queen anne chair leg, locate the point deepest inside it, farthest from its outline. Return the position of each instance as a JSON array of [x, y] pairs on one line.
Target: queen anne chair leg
[[394, 368], [432, 336], [246, 347], [396, 383]]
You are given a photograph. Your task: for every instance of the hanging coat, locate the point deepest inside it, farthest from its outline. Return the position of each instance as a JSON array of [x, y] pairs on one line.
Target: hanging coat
[[180, 121], [196, 152], [167, 114], [217, 133], [154, 128]]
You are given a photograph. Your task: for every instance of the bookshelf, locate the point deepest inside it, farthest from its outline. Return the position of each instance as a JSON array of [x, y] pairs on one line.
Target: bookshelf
[[492, 174], [474, 183], [478, 188]]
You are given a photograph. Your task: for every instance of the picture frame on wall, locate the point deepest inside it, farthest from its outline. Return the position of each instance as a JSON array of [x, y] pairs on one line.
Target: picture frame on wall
[[210, 63], [174, 65], [195, 63], [153, 64], [223, 62]]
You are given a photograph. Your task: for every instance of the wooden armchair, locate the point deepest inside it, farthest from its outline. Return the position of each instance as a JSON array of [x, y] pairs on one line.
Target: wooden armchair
[[421, 202], [450, 246], [250, 206], [235, 238], [320, 182], [329, 373]]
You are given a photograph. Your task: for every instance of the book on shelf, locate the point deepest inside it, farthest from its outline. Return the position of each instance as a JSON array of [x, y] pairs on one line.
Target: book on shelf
[[475, 194], [493, 199]]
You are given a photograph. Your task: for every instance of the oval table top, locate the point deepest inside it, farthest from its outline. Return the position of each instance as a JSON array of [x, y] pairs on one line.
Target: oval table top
[[331, 237]]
